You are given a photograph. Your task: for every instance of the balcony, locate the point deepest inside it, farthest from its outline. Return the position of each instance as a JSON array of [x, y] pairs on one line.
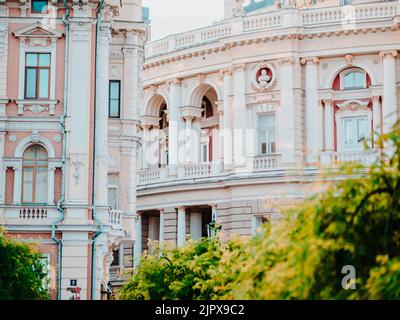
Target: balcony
[[275, 21], [363, 157], [115, 219], [29, 215], [201, 171]]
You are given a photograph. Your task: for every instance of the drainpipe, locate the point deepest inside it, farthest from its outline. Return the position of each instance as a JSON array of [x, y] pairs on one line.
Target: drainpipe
[[94, 215], [60, 203]]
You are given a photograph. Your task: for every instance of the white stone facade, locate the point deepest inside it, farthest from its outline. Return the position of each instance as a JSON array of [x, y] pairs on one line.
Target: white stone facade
[[249, 111]]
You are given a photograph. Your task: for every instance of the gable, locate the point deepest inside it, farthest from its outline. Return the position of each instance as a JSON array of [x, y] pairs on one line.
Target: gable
[[37, 30]]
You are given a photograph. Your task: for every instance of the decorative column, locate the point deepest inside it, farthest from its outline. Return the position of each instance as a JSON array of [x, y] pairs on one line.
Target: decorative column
[[189, 138], [102, 83], [220, 136], [239, 115], [181, 226], [227, 133], [286, 112], [2, 169], [174, 125], [162, 226], [214, 212], [314, 118], [79, 98], [146, 129], [389, 99], [195, 225], [17, 184], [376, 118], [121, 256], [50, 185], [329, 125], [137, 246]]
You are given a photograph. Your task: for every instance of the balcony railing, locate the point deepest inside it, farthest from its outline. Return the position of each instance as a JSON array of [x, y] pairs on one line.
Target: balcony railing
[[267, 162], [33, 213], [312, 17], [364, 157], [197, 170], [115, 219]]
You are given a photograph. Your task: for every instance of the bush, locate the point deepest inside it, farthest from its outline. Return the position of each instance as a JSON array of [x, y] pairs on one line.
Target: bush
[[355, 222], [22, 273]]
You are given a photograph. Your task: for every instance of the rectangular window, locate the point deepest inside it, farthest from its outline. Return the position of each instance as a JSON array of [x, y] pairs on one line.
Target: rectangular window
[[114, 98], [354, 132], [37, 75], [39, 6], [266, 133], [45, 261], [204, 152], [113, 191]]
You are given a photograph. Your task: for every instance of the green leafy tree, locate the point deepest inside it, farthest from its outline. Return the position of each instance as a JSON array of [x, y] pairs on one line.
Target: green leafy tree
[[21, 271]]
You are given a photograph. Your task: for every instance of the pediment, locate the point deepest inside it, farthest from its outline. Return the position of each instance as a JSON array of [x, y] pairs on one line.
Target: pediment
[[37, 30]]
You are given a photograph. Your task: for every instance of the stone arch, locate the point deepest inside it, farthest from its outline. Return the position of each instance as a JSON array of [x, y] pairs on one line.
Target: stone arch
[[34, 139], [153, 104], [198, 91], [342, 65]]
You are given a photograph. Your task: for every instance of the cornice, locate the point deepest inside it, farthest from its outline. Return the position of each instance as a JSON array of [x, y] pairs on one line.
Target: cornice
[[180, 55]]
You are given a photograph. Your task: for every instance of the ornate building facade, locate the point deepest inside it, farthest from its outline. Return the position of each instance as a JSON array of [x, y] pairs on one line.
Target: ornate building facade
[[242, 117], [70, 92]]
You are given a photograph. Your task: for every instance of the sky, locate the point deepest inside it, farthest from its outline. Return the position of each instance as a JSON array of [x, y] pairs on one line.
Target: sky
[[176, 16]]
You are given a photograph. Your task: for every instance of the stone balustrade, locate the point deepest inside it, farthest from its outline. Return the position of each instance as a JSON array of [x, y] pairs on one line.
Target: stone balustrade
[[115, 219], [346, 16], [267, 162], [33, 213], [364, 157]]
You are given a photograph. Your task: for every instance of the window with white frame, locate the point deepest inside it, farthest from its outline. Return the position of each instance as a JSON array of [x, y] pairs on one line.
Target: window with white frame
[[258, 221], [354, 132], [37, 75], [113, 182], [353, 79], [34, 172], [266, 133]]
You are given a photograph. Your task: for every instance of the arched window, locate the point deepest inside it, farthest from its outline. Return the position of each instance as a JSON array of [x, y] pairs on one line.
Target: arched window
[[206, 108], [163, 116], [353, 79], [34, 173]]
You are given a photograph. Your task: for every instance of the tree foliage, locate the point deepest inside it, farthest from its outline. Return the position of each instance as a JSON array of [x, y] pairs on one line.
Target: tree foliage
[[355, 222], [21, 272]]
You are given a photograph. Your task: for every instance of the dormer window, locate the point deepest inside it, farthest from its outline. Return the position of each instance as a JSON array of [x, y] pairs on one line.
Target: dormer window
[[353, 79], [39, 6]]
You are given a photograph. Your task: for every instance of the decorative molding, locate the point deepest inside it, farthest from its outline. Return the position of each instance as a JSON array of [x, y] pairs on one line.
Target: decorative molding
[[306, 60], [392, 53], [57, 138], [263, 81], [349, 59], [36, 108], [12, 138]]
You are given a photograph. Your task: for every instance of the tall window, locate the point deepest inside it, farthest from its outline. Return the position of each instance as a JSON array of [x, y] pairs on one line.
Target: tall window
[[39, 6], [114, 99], [37, 76], [113, 191], [354, 80], [355, 131], [266, 133], [34, 170]]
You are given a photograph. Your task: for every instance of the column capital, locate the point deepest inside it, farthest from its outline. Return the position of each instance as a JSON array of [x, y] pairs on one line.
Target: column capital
[[239, 67], [181, 208], [174, 82], [161, 210], [375, 99], [225, 72], [327, 101], [389, 53], [310, 60]]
